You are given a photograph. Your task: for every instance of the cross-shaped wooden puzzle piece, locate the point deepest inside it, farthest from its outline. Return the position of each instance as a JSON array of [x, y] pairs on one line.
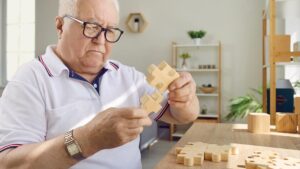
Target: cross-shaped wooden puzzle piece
[[159, 77]]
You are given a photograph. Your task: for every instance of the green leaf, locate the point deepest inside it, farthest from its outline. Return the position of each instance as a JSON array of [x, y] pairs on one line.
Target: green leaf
[[242, 105]]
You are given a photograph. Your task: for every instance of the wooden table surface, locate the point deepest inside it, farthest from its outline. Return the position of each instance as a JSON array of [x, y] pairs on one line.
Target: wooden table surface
[[233, 134]]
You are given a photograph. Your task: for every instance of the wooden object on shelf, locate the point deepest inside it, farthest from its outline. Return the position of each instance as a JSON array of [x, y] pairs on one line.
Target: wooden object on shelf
[[282, 43], [194, 153], [160, 77], [136, 22], [207, 89], [286, 122], [297, 105], [258, 122]]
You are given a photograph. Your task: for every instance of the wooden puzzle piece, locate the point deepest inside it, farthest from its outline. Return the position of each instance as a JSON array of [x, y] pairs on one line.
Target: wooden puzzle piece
[[151, 103], [286, 122], [190, 155], [194, 153], [258, 123], [160, 77], [270, 160]]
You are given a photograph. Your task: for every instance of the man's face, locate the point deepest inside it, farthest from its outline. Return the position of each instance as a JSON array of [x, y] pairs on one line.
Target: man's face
[[82, 54]]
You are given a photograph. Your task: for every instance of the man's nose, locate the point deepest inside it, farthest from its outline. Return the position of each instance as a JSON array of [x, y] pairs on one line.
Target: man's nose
[[100, 39]]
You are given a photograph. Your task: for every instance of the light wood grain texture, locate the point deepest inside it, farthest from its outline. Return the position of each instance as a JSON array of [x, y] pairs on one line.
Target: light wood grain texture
[[264, 75], [151, 103], [286, 122], [271, 160], [282, 43], [161, 76], [193, 153], [297, 110], [272, 34], [235, 135], [259, 122]]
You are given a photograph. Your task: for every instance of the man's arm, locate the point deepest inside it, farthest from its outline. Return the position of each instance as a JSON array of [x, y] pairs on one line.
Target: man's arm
[[47, 155], [109, 129], [184, 104]]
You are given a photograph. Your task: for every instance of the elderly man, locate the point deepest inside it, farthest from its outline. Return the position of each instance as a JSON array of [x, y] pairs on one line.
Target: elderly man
[[74, 108]]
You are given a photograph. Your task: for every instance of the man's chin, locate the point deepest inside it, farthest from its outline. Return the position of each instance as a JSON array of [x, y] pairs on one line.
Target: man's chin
[[93, 68]]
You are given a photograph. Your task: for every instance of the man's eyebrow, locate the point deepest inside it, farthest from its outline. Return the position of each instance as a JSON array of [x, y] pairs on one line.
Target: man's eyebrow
[[93, 20]]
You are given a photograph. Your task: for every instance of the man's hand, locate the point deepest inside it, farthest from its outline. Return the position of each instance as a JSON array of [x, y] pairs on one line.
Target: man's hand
[[112, 128], [184, 104], [182, 91]]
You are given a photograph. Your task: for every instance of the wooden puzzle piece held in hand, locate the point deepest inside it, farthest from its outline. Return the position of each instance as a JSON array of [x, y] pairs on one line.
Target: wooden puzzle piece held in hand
[[159, 77], [151, 103], [194, 153]]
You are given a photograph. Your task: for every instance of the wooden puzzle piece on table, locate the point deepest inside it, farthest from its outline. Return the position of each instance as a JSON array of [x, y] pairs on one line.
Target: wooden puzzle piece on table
[[270, 160], [195, 153], [160, 77], [151, 103]]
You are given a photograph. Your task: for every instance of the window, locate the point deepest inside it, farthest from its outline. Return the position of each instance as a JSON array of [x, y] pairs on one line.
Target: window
[[1, 45], [20, 34]]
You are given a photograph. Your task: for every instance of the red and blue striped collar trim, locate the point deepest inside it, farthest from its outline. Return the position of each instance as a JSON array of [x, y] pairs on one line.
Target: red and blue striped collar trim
[[114, 65], [162, 112], [45, 66]]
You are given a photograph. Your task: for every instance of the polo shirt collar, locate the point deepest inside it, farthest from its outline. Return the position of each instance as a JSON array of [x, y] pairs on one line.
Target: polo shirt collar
[[54, 66]]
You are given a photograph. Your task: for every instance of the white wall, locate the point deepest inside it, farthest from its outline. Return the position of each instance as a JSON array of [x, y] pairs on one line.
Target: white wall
[[46, 11], [236, 23]]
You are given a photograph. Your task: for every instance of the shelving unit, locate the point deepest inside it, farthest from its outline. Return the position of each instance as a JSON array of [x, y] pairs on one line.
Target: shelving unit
[[278, 52], [215, 73]]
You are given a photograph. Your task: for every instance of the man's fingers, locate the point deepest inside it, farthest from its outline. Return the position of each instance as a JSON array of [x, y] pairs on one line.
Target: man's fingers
[[182, 92], [177, 104], [182, 99], [181, 81], [134, 113], [134, 132], [134, 123]]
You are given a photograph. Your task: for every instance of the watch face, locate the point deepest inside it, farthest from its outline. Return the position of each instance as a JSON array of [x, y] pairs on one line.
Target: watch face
[[72, 149]]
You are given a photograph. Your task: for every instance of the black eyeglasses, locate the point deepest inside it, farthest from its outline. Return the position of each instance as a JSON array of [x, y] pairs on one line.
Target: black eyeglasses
[[93, 30]]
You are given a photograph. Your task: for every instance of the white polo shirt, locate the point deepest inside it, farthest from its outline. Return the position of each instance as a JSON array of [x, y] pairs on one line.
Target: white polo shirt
[[45, 99]]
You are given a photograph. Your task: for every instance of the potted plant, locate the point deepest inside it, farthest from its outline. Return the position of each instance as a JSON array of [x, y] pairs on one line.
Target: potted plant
[[197, 35], [184, 57], [296, 86], [242, 105]]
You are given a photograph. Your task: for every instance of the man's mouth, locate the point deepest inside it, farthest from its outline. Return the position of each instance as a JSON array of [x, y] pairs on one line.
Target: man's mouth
[[97, 51]]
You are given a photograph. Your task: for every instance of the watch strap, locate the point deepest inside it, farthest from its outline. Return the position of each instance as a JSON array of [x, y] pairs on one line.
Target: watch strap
[[70, 141]]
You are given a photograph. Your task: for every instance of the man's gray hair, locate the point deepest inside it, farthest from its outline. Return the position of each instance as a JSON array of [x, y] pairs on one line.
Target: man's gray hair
[[68, 7]]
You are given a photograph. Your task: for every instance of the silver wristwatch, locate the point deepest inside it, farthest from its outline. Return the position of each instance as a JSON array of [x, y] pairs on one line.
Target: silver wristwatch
[[72, 146]]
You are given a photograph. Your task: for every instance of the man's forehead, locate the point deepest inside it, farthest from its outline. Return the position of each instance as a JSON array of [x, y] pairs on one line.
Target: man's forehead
[[99, 11]]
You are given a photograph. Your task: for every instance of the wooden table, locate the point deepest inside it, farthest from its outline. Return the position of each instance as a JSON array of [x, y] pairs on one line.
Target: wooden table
[[284, 143]]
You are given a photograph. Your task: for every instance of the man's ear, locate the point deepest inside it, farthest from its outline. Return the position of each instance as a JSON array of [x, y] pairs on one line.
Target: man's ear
[[59, 22]]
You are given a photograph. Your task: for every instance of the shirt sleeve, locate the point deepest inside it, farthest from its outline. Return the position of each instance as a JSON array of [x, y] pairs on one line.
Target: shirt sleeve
[[22, 116], [144, 87]]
